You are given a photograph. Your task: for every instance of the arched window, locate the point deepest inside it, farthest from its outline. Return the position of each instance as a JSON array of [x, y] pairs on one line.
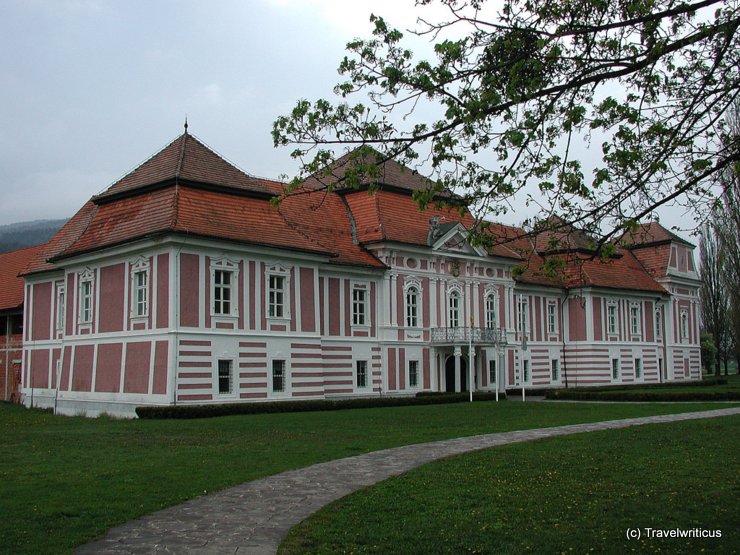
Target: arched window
[[454, 310], [412, 307], [490, 311]]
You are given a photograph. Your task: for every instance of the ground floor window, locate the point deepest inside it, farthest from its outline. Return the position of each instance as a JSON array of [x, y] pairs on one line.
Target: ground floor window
[[615, 369], [413, 373], [525, 370], [492, 372], [278, 376], [555, 369], [225, 377], [361, 373], [638, 368]]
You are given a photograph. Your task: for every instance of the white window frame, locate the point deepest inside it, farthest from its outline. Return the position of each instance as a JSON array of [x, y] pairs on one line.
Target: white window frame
[[231, 268], [362, 370], [360, 298], [526, 371], [453, 308], [492, 372], [282, 273], [61, 313], [635, 327], [285, 391], [554, 369], [490, 309], [552, 317], [231, 381], [140, 267], [638, 368], [684, 320], [415, 363], [658, 322], [615, 369], [87, 296], [612, 317], [522, 320], [412, 296]]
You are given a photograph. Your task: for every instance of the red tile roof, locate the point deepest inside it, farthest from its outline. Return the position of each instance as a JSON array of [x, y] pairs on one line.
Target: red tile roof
[[11, 285], [186, 159], [650, 234]]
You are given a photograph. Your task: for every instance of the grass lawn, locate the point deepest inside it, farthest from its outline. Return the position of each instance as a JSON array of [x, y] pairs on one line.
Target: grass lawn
[[575, 494], [65, 480]]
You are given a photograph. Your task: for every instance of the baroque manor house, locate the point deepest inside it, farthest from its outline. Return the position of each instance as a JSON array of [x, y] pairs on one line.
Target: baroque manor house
[[183, 283]]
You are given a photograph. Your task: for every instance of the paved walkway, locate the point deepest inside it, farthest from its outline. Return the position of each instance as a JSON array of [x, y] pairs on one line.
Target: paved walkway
[[253, 518]]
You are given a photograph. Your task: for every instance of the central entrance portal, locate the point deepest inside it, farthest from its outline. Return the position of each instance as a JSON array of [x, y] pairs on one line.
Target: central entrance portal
[[450, 374]]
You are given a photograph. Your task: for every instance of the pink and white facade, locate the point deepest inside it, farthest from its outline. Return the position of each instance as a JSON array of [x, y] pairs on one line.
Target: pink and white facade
[[183, 284]]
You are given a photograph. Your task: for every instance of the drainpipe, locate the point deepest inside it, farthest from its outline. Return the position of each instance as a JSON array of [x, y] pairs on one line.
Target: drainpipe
[[562, 335]]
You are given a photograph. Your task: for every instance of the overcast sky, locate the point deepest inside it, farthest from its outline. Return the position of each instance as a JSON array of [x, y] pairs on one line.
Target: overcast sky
[[89, 89]]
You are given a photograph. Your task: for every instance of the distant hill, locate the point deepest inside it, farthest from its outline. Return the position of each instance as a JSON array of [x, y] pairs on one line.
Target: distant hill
[[27, 234]]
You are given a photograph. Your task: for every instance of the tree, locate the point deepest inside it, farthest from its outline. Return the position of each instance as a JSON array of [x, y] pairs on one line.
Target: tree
[[713, 293], [523, 98], [726, 219]]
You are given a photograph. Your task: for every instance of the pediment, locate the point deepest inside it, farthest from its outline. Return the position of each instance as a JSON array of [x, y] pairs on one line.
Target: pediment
[[455, 240]]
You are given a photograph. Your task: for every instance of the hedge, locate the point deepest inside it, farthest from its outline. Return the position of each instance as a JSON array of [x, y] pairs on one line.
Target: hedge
[[227, 409]]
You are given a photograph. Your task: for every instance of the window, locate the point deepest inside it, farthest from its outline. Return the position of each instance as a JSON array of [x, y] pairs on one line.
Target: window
[[278, 376], [491, 311], [225, 377], [454, 310], [523, 320], [615, 369], [361, 373], [140, 293], [86, 288], [61, 308], [658, 323], [635, 319], [359, 306], [684, 324], [492, 374], [638, 368], [552, 317], [555, 369], [611, 318], [276, 296], [413, 373], [525, 370], [412, 307], [222, 282]]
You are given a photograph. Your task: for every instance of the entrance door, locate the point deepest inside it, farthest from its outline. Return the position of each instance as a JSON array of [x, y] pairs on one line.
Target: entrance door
[[450, 374]]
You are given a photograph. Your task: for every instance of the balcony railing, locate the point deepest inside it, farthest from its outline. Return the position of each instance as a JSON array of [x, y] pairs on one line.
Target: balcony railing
[[480, 336]]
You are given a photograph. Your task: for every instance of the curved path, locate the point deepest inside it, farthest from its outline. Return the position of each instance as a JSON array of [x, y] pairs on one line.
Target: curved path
[[253, 518]]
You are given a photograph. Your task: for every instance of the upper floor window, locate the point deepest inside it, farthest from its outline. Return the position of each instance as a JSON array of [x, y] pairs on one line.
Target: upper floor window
[[61, 308], [552, 317], [684, 324], [140, 288], [224, 279], [412, 307], [454, 310], [611, 318], [491, 311], [359, 306], [523, 319], [635, 319], [276, 296], [86, 297], [658, 323]]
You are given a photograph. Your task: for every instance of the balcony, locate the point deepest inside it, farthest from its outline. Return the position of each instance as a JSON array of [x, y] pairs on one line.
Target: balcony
[[462, 336]]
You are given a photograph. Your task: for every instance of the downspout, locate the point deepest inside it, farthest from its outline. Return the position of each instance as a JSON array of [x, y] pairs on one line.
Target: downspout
[[562, 335]]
